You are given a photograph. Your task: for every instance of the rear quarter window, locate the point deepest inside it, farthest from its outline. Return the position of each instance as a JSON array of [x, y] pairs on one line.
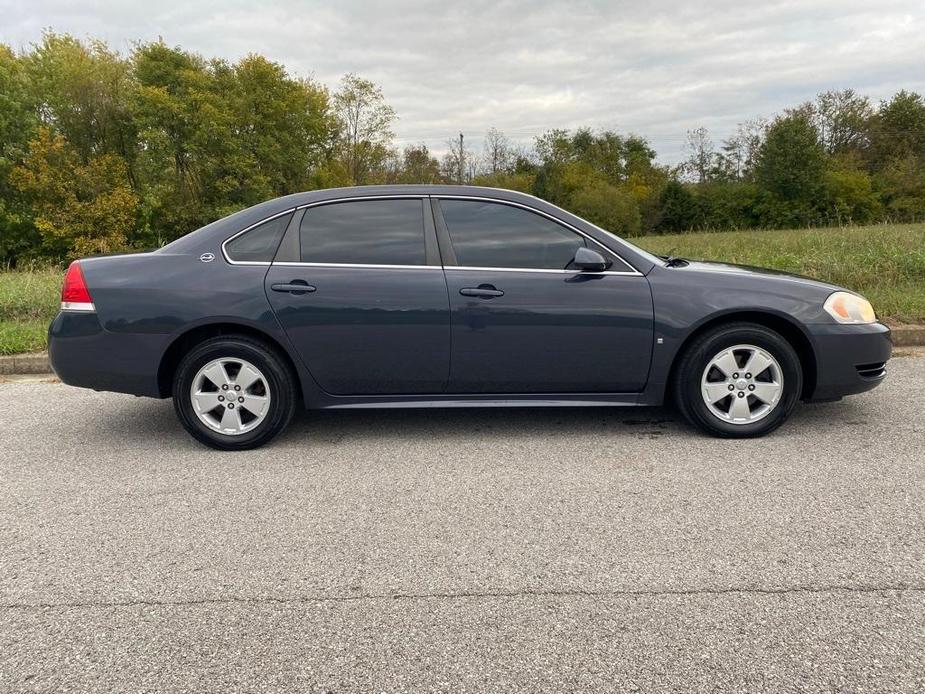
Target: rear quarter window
[[258, 245]]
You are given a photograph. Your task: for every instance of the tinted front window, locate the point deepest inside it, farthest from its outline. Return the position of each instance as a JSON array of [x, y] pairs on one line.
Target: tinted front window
[[260, 243], [486, 234], [369, 232]]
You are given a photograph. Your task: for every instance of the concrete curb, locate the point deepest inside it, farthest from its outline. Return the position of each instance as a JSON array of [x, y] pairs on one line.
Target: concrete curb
[[908, 335], [33, 363], [37, 362]]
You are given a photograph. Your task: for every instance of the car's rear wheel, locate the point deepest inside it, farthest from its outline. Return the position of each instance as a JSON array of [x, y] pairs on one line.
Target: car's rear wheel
[[233, 393], [738, 380]]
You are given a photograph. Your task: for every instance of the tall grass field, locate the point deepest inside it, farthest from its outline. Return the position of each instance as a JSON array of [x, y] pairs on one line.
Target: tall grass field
[[885, 263]]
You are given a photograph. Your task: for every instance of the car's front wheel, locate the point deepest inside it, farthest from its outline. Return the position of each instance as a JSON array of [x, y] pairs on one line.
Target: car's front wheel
[[738, 380], [233, 393]]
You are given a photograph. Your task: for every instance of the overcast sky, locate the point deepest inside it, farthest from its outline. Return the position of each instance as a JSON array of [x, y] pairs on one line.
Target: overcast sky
[[653, 68]]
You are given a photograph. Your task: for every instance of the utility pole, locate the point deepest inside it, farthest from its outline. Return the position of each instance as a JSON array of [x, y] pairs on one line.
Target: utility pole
[[462, 157]]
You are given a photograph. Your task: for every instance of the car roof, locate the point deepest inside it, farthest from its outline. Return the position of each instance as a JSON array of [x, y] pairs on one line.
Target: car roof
[[408, 189]]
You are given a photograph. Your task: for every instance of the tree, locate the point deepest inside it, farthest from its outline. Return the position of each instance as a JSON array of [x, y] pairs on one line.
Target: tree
[[18, 124], [740, 151], [418, 166], [900, 185], [80, 208], [365, 121], [791, 165], [898, 130], [460, 164], [677, 208], [701, 155], [608, 207], [185, 129], [498, 155], [849, 196], [283, 126], [842, 119], [84, 92]]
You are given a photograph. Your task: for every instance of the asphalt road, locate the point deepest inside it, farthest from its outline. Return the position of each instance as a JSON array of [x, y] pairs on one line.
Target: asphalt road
[[492, 550]]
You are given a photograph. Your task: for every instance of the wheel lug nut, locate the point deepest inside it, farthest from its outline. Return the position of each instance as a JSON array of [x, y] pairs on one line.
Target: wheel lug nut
[[731, 387], [741, 395], [225, 387], [751, 387], [735, 375], [237, 387], [221, 398], [231, 404], [748, 375], [242, 399]]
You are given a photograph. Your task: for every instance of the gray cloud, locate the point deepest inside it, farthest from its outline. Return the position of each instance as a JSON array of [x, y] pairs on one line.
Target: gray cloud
[[654, 68]]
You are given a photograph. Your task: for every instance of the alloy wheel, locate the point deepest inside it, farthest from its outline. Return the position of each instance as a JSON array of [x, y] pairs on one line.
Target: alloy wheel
[[230, 396], [742, 384]]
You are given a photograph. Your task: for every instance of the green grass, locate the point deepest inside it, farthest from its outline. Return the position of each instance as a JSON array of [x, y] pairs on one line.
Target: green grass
[[884, 263], [28, 302]]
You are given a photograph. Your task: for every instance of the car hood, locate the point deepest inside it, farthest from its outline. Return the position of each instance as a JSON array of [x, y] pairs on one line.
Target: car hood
[[748, 270]]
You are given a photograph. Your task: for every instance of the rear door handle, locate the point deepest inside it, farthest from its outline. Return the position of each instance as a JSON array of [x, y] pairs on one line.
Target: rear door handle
[[484, 291], [297, 287]]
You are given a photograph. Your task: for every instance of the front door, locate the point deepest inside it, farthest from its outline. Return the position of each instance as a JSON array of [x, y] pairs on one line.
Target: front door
[[366, 303], [524, 321]]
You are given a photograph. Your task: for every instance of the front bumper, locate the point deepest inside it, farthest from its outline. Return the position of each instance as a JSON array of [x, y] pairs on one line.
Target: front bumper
[[849, 358], [84, 354]]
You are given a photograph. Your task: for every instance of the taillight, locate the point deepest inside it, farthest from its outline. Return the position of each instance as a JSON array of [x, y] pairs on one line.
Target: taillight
[[75, 296]]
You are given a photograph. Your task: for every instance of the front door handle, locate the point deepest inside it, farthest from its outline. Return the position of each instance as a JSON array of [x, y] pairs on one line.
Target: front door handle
[[297, 287], [484, 291]]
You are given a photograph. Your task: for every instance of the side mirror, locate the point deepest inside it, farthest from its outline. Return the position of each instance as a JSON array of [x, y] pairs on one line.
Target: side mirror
[[588, 260]]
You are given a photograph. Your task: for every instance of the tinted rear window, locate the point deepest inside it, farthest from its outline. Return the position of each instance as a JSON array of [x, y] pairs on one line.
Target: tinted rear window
[[260, 243], [366, 232]]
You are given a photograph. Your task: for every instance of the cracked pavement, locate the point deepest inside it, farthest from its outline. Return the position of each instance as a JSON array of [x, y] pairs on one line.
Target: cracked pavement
[[463, 550]]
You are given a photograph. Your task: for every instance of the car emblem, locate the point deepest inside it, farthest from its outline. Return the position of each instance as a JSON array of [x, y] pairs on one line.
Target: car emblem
[[207, 257]]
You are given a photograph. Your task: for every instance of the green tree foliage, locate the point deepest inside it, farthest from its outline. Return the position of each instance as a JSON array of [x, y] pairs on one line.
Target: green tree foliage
[[217, 137], [84, 92], [898, 129], [102, 151], [791, 159], [897, 156], [608, 206], [80, 207], [416, 165], [364, 122], [612, 179], [678, 208], [842, 120], [18, 123]]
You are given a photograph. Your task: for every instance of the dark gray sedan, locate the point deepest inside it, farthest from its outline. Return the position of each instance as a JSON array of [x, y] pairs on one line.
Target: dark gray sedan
[[446, 296]]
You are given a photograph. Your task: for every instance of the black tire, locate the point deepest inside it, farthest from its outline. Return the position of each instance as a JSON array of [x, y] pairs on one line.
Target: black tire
[[689, 373], [280, 381]]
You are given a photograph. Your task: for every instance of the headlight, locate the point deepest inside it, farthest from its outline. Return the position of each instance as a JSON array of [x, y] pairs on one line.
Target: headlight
[[849, 308]]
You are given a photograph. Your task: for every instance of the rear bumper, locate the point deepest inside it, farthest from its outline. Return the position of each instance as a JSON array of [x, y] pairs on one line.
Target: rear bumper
[[83, 354], [849, 358]]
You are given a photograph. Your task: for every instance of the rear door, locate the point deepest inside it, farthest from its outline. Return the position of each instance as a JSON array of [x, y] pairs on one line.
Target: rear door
[[358, 287], [524, 320]]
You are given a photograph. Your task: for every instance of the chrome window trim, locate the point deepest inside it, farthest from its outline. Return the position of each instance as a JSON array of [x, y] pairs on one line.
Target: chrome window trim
[[361, 266], [402, 196], [397, 196], [244, 231], [546, 270]]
